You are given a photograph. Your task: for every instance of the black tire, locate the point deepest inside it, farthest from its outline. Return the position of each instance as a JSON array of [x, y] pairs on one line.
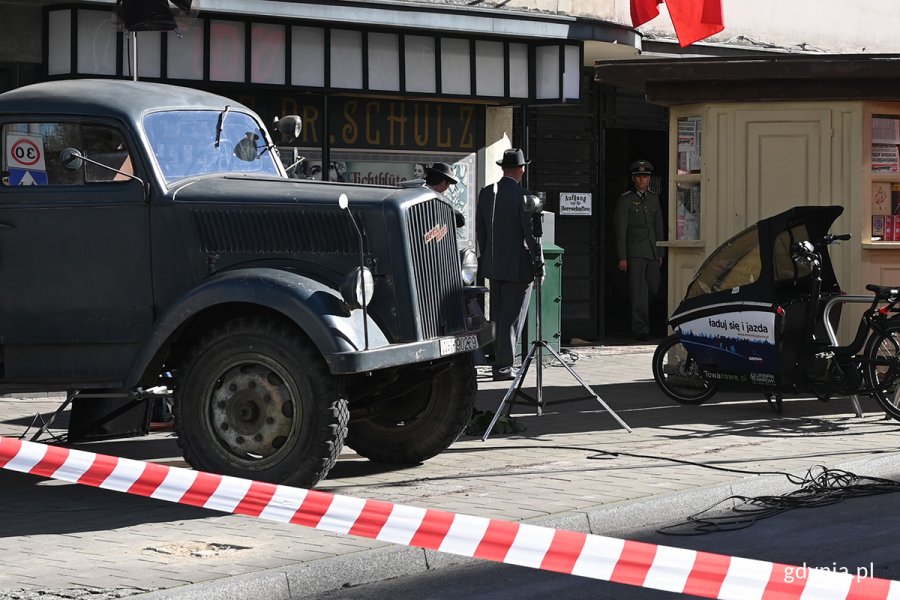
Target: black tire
[[678, 376], [423, 422], [254, 399], [883, 368]]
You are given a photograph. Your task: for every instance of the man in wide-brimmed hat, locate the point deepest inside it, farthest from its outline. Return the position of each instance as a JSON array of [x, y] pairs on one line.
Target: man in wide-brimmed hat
[[439, 177], [507, 244]]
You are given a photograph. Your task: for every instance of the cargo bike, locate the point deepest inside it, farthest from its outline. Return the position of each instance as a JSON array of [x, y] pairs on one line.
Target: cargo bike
[[762, 310]]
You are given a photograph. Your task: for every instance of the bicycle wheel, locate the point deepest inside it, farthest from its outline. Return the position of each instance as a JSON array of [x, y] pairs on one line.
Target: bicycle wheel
[[678, 376], [883, 367]]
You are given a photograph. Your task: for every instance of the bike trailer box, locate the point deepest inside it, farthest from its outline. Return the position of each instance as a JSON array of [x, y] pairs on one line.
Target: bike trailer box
[[744, 314]]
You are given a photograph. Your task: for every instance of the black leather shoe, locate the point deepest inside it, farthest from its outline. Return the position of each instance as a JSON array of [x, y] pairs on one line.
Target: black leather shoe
[[507, 375]]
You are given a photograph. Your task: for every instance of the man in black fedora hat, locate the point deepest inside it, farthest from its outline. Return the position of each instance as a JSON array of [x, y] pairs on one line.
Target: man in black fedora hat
[[639, 226], [439, 177], [507, 244]]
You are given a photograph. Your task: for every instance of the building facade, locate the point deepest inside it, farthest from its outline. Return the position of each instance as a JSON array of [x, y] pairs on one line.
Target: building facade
[[385, 86]]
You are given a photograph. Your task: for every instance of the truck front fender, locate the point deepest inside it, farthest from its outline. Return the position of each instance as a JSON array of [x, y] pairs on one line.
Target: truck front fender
[[315, 307]]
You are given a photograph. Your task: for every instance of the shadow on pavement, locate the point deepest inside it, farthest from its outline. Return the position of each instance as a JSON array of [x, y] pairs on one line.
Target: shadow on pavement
[[642, 405], [36, 506]]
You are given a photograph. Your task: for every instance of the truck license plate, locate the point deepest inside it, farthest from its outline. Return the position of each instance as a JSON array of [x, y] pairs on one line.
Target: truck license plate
[[463, 343]]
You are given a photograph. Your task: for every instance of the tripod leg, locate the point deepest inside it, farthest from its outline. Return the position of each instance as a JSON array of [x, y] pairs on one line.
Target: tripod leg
[[46, 426], [588, 388], [856, 408], [536, 348], [513, 388]]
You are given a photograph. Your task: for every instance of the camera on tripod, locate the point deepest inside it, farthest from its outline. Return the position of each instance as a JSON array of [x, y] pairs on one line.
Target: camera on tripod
[[534, 205], [534, 202]]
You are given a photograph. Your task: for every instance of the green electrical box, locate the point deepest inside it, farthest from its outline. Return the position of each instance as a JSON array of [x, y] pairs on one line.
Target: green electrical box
[[551, 303]]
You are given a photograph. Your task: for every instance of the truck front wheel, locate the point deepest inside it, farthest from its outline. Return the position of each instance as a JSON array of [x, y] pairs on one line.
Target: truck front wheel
[[255, 400], [414, 426]]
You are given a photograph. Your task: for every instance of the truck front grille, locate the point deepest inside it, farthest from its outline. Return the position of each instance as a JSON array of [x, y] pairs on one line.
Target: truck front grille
[[435, 264]]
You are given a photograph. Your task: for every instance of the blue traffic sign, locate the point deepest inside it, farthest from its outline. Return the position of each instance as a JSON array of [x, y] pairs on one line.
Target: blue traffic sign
[[19, 177]]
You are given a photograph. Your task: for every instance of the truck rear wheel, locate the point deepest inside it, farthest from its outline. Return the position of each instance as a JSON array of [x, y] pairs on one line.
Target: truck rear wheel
[[424, 421], [255, 400]]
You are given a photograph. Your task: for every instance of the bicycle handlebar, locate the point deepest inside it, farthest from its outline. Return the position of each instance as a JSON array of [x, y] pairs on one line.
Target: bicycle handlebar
[[807, 248], [830, 238]]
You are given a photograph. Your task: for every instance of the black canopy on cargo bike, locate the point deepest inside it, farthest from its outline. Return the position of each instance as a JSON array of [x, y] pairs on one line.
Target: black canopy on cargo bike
[[754, 268]]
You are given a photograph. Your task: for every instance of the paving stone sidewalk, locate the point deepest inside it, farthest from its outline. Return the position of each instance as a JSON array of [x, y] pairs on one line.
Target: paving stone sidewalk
[[59, 540]]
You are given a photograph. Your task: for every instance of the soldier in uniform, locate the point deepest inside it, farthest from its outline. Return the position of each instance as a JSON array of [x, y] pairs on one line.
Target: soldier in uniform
[[507, 245], [639, 225]]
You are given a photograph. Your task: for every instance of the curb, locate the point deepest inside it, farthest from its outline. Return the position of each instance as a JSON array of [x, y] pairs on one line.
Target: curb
[[634, 518]]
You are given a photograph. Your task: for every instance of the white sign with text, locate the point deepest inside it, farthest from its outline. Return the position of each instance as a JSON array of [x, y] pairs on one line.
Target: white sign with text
[[575, 203]]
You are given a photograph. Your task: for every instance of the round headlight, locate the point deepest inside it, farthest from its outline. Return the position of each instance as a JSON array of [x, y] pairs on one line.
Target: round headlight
[[358, 287], [468, 266]]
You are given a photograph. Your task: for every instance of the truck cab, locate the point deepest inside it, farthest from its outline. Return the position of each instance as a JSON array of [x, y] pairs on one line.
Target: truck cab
[[149, 235]]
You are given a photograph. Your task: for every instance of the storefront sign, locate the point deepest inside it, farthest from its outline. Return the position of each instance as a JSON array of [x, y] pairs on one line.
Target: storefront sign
[[378, 124], [575, 203]]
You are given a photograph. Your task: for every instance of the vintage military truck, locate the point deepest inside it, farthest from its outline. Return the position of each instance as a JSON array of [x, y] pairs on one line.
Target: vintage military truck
[[150, 236]]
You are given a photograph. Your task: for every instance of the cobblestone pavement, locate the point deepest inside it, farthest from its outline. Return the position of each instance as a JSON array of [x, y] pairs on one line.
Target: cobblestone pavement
[[59, 540]]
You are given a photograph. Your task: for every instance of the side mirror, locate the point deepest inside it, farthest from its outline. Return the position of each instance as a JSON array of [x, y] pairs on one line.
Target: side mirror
[[288, 126], [246, 149], [71, 159]]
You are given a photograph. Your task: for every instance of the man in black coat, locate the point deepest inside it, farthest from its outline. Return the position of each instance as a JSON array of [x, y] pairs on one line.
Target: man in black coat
[[507, 246]]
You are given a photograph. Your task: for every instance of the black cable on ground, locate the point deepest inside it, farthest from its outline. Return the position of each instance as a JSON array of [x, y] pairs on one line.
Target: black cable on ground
[[820, 486], [605, 453]]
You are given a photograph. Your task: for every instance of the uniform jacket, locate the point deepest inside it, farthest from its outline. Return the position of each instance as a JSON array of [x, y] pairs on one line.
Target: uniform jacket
[[639, 226], [505, 237]]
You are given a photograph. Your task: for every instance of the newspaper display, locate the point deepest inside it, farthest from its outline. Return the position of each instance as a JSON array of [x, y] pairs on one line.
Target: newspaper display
[[885, 158], [689, 136], [885, 130], [881, 198]]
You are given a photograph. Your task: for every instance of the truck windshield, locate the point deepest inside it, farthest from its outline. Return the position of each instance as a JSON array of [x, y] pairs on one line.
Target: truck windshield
[[188, 143]]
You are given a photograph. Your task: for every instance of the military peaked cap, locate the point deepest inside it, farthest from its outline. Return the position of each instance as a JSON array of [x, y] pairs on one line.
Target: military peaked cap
[[641, 167]]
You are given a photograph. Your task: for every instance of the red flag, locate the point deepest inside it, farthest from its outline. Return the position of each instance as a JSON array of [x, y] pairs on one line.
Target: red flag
[[694, 20], [643, 11]]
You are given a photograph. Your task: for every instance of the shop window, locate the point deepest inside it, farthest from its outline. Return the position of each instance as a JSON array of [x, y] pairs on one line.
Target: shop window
[[687, 179], [885, 191], [687, 211], [383, 57], [419, 61], [308, 52], [391, 169], [456, 62], [346, 59]]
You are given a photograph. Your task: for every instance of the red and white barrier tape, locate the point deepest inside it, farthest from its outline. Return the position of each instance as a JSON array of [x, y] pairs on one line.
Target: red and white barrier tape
[[598, 557]]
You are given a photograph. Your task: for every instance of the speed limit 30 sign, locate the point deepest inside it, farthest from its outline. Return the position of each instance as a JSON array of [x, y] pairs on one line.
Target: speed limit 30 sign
[[25, 151]]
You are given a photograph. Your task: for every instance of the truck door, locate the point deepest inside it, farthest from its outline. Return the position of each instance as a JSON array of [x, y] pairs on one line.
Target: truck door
[[75, 292]]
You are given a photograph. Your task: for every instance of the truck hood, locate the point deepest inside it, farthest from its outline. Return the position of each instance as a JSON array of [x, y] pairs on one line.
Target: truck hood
[[285, 192]]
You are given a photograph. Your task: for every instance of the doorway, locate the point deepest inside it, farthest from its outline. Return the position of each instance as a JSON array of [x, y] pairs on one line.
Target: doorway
[[620, 148]]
